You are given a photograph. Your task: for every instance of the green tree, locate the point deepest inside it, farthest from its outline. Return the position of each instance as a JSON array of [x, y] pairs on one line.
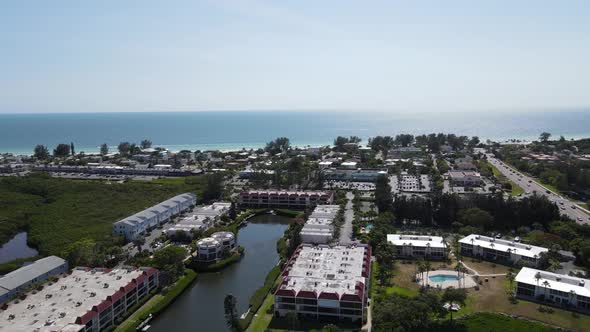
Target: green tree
[[104, 149], [61, 150], [476, 217], [146, 144], [331, 328], [231, 313], [544, 137], [214, 187], [170, 259], [279, 145], [124, 148], [454, 296], [383, 196], [41, 152], [72, 150]]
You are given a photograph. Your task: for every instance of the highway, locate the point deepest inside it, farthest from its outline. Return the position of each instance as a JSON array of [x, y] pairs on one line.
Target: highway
[[530, 186]]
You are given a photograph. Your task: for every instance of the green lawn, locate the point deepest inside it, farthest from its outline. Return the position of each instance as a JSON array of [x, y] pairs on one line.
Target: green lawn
[[516, 189], [57, 212], [262, 318], [157, 303], [484, 322]]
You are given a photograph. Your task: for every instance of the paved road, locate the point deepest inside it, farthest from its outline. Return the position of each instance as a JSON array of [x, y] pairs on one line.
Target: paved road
[[530, 186], [346, 230]]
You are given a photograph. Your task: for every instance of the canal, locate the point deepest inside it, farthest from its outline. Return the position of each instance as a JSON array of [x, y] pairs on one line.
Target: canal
[[16, 248], [200, 308]]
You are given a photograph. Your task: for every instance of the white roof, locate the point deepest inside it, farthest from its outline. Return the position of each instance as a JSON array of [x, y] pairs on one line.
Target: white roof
[[517, 248], [29, 272], [555, 281], [55, 308], [416, 240], [326, 269]]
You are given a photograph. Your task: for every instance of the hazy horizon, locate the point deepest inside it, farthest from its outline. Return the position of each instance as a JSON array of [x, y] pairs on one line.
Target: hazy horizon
[[195, 56]]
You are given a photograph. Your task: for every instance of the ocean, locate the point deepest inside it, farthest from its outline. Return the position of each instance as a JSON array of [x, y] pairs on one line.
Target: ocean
[[19, 133]]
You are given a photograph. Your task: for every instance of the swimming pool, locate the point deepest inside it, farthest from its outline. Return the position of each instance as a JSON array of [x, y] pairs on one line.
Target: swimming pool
[[443, 278]]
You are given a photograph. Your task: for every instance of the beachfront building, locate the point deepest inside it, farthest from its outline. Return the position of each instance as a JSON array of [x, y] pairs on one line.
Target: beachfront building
[[319, 226], [465, 178], [134, 226], [556, 289], [284, 199], [505, 251], [211, 249], [354, 175], [87, 300], [323, 282], [19, 280], [201, 218], [418, 246]]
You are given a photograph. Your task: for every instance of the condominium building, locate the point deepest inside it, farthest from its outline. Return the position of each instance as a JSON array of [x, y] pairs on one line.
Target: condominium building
[[465, 178], [284, 199], [323, 282], [354, 175], [211, 249], [418, 246], [201, 218], [87, 300], [134, 226], [19, 280], [318, 228], [556, 289], [506, 251]]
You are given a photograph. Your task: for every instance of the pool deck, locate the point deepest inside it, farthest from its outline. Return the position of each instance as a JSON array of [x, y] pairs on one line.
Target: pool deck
[[466, 280]]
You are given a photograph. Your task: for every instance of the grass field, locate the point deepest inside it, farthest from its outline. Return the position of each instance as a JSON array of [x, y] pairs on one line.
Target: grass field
[[157, 303], [484, 322], [57, 212], [516, 189]]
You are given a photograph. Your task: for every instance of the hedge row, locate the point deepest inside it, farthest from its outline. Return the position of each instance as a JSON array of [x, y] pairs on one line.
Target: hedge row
[[259, 295]]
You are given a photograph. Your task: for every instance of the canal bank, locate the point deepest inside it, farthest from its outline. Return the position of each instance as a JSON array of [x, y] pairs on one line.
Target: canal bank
[[201, 306]]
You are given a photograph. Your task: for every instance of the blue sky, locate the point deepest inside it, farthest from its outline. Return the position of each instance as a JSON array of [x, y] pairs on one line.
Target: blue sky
[[92, 56]]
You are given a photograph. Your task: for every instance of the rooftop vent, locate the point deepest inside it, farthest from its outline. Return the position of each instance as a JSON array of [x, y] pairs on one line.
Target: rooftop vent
[[582, 283]]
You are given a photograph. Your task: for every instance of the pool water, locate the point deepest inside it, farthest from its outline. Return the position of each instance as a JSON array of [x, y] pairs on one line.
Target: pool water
[[443, 278]]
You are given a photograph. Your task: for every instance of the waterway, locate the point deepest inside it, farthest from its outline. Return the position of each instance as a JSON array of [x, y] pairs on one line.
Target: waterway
[[200, 308], [16, 248]]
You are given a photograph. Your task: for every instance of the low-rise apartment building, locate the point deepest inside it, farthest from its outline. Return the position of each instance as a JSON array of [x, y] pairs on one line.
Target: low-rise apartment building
[[465, 178], [285, 199], [87, 300], [354, 175], [418, 246], [556, 289], [323, 282], [19, 280], [505, 251], [319, 226], [201, 218], [211, 249], [134, 226]]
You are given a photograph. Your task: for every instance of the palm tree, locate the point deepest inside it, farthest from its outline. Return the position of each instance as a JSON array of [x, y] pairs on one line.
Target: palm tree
[[546, 284], [427, 267], [537, 277], [454, 296], [420, 266], [510, 276]]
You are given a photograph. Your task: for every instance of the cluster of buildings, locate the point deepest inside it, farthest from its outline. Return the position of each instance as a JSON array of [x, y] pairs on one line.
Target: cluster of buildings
[[418, 246], [319, 226], [211, 249], [27, 276], [138, 224], [323, 282], [421, 183], [102, 169], [500, 250], [284, 199], [200, 218], [85, 300]]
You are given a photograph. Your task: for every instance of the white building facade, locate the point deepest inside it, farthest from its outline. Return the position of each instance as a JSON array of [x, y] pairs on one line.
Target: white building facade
[[504, 251], [319, 226], [418, 246], [138, 224], [552, 288]]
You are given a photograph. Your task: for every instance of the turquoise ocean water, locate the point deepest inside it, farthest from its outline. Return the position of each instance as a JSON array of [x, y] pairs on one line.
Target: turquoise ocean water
[[19, 133]]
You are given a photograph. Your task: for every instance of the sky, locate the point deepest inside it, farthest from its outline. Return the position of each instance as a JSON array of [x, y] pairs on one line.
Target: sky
[[392, 56]]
